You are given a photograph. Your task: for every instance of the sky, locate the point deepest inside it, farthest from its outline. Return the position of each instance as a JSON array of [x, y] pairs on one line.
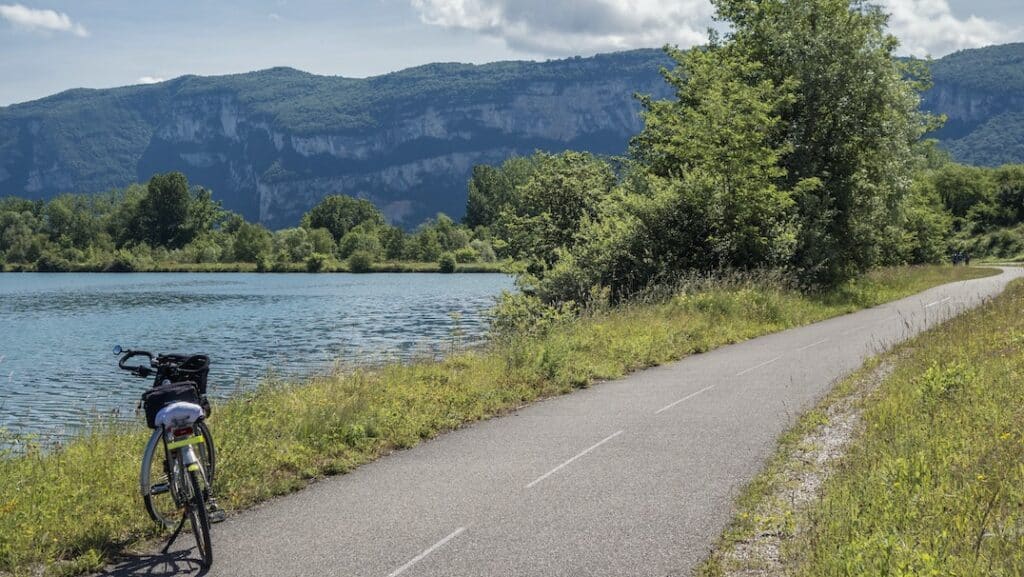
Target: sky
[[47, 46]]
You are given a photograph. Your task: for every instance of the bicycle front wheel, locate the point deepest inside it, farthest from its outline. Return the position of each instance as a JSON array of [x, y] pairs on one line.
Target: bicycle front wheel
[[199, 520]]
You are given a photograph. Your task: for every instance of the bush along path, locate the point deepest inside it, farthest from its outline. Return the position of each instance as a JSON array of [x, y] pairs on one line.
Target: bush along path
[[913, 466]]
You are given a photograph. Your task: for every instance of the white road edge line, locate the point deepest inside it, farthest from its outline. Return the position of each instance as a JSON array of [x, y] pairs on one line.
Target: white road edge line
[[558, 468], [804, 348], [758, 366], [686, 398], [423, 555], [946, 299]]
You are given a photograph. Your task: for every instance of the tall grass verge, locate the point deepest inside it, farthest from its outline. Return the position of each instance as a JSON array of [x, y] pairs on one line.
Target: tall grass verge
[[932, 482], [68, 509], [935, 486]]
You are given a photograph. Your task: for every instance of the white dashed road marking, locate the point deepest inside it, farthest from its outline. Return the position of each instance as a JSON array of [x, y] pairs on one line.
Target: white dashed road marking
[[758, 366], [424, 554], [556, 469]]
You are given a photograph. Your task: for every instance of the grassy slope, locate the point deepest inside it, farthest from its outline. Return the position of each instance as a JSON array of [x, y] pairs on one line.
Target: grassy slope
[[934, 484], [80, 503]]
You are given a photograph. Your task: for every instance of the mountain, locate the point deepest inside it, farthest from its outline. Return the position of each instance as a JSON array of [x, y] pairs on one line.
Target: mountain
[[271, 143], [982, 93]]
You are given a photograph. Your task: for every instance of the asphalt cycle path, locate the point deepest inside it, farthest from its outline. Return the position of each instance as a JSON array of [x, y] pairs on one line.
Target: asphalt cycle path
[[629, 477]]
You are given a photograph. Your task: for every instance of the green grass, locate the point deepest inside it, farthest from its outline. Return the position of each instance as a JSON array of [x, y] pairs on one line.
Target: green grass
[[934, 482], [70, 508]]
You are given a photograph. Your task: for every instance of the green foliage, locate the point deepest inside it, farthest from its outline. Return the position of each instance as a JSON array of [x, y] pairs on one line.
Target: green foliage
[[466, 255], [164, 211], [364, 239], [114, 231], [49, 262], [850, 122], [934, 485], [361, 261], [339, 213], [447, 263], [252, 242], [495, 189], [318, 262], [561, 193]]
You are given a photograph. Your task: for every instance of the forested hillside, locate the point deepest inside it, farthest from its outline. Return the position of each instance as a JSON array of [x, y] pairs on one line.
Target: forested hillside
[[271, 144], [982, 94]]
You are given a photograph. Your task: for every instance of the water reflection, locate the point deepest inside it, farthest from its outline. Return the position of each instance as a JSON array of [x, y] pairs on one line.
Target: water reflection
[[56, 370]]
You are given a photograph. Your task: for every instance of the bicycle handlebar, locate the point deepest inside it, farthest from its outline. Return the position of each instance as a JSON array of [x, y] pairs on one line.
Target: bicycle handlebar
[[179, 362], [138, 370]]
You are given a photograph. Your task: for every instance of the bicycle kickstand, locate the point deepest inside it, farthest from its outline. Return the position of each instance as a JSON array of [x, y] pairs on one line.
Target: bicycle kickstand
[[177, 531]]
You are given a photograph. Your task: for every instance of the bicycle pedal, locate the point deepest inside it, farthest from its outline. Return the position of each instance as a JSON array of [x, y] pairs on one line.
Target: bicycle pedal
[[216, 515], [159, 489]]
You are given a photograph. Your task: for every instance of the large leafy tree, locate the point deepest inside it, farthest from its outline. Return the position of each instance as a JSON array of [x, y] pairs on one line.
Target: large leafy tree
[[716, 141], [492, 189], [851, 122], [164, 212], [563, 191]]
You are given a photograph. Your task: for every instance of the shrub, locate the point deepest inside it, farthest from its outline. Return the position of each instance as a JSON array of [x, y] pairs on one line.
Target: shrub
[[360, 261], [263, 263], [467, 254], [317, 262], [122, 262], [52, 263], [447, 263]]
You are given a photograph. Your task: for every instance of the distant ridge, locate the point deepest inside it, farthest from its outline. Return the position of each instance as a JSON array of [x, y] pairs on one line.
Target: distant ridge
[[271, 143]]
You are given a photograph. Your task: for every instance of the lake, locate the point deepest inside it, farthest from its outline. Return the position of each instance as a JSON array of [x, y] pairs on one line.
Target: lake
[[57, 331]]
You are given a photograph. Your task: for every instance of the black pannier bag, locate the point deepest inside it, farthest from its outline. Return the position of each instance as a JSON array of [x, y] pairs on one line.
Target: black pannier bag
[[159, 397], [196, 370]]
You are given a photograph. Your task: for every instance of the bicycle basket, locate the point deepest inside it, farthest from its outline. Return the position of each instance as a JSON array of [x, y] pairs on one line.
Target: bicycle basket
[[159, 397], [185, 372]]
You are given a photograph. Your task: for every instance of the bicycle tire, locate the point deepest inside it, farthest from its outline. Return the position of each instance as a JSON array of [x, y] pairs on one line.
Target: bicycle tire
[[207, 453], [161, 505], [200, 522], [156, 464]]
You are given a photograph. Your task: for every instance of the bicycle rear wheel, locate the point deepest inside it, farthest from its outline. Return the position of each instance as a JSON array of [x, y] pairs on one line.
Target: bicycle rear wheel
[[158, 476], [199, 520]]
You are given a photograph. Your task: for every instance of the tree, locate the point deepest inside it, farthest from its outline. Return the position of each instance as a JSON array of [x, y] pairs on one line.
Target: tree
[[362, 238], [493, 189], [292, 245], [251, 242], [550, 206], [204, 213], [850, 121], [339, 214], [164, 211], [716, 138]]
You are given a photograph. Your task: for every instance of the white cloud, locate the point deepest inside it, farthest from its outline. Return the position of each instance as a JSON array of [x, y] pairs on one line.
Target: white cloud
[[274, 16], [563, 27], [43, 20], [150, 79], [555, 27], [929, 27]]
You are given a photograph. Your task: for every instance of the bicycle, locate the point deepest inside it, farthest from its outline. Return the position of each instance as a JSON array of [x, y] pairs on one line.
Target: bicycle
[[177, 481]]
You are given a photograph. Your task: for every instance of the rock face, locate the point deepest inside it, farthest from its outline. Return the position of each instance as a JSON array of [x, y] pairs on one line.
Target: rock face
[[407, 141], [271, 143]]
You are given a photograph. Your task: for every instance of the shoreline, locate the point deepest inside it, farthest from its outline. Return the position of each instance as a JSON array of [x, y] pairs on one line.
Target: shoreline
[[501, 267]]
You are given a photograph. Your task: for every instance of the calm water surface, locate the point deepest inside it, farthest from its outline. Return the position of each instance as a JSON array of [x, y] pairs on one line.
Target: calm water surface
[[57, 330]]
